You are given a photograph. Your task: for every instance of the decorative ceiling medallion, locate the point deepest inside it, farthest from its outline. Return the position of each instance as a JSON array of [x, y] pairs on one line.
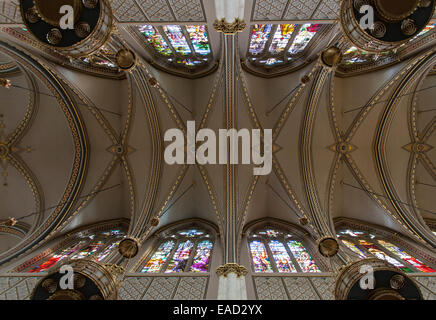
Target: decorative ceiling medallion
[[120, 150], [82, 29], [418, 147], [328, 247], [379, 29], [129, 247], [396, 10], [408, 27], [125, 59], [343, 148], [54, 36], [331, 57], [32, 15], [90, 4]]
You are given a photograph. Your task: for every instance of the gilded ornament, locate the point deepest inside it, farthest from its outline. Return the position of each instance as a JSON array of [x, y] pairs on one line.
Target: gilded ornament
[[331, 56], [397, 282], [54, 36], [82, 29], [50, 285], [229, 28], [32, 15], [409, 27], [128, 248], [228, 268], [90, 4], [379, 30], [328, 247], [125, 59]]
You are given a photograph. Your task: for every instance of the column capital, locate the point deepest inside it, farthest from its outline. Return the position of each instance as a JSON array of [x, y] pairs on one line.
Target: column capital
[[229, 28], [239, 270]]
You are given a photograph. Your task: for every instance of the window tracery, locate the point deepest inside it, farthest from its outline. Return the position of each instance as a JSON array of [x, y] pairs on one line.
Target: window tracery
[[187, 250], [277, 251], [368, 245], [100, 245], [272, 44], [180, 46]]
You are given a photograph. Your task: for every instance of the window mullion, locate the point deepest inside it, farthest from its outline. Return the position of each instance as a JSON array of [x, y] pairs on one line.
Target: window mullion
[[265, 50], [294, 260], [170, 256], [167, 40], [292, 39], [271, 256], [394, 256], [188, 40], [191, 256]]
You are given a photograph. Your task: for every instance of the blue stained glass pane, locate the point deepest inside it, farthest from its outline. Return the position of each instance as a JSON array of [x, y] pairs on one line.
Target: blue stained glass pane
[[177, 39], [281, 257], [259, 37], [199, 39], [260, 257]]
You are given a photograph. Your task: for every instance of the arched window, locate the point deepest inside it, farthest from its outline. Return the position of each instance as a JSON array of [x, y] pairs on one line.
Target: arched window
[[186, 250], [180, 46], [277, 251], [99, 245], [272, 45], [368, 245]]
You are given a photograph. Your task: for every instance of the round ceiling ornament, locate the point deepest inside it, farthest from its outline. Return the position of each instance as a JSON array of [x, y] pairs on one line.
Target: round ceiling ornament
[[328, 247], [90, 29], [331, 57], [129, 248], [125, 59], [395, 22]]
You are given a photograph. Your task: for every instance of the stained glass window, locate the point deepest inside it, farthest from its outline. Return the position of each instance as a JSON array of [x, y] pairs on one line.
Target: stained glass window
[[352, 232], [199, 39], [303, 257], [405, 256], [281, 37], [155, 39], [177, 39], [159, 257], [259, 37], [191, 233], [89, 250], [354, 248], [180, 46], [202, 256], [281, 257], [270, 233], [426, 29], [288, 254], [180, 258], [306, 33], [85, 246], [187, 250], [260, 257], [56, 258], [375, 250]]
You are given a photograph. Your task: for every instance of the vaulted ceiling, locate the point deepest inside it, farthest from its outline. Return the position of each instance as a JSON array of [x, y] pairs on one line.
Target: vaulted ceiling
[[84, 149]]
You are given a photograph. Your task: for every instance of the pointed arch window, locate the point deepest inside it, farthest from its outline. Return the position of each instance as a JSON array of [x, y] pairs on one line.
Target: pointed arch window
[[188, 250], [179, 46], [276, 251], [276, 44], [98, 245], [368, 245]]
